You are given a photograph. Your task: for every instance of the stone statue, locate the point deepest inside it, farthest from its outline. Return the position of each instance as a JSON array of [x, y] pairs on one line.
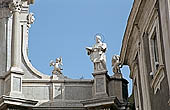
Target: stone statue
[[57, 66], [116, 64], [97, 54]]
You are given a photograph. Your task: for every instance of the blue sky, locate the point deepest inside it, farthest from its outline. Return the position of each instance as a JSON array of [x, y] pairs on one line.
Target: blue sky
[[65, 27]]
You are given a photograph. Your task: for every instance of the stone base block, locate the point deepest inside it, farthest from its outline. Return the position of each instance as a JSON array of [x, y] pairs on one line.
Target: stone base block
[[101, 103], [6, 101], [100, 84]]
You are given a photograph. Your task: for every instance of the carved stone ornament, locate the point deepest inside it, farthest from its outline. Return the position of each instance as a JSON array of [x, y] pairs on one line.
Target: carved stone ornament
[[15, 6], [30, 19]]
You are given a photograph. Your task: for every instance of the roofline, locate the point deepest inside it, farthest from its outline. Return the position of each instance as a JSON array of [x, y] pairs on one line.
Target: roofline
[[128, 30]]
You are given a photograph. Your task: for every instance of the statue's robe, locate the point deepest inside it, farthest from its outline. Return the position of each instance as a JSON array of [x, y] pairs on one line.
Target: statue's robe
[[97, 56]]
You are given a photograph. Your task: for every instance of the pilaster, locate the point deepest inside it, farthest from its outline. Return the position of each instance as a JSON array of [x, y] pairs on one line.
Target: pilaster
[[13, 78], [5, 22], [164, 7]]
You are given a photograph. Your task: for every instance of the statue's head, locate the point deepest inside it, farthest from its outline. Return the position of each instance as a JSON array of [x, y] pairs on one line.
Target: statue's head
[[57, 60], [98, 38]]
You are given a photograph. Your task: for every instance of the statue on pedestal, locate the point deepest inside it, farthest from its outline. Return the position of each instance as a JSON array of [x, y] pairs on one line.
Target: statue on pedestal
[[116, 64], [57, 66], [97, 54]]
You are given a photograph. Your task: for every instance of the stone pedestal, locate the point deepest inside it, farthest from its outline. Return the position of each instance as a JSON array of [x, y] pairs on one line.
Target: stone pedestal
[[54, 76], [118, 87], [117, 75], [100, 84], [57, 76], [13, 83], [13, 78]]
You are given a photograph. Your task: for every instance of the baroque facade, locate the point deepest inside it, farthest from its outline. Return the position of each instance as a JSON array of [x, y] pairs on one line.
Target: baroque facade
[[146, 50], [22, 87]]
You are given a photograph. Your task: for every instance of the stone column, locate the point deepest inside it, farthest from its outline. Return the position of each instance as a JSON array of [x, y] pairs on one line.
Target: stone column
[[13, 80]]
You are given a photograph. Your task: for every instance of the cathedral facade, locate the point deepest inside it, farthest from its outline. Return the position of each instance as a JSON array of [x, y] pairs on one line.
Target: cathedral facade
[[145, 49], [22, 87]]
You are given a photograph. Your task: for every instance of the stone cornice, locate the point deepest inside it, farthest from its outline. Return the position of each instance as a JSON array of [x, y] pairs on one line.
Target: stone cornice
[[96, 102], [6, 100], [57, 81], [129, 27], [137, 13]]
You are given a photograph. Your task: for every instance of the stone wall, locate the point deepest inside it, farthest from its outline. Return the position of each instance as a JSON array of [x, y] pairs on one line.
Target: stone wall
[[62, 89], [148, 29]]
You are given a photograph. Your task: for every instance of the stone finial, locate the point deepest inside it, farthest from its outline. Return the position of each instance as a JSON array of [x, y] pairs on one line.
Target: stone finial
[[15, 6], [57, 66], [97, 54], [116, 64]]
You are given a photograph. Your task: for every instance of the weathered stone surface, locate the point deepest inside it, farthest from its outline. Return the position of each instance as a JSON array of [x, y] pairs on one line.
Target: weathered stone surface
[[17, 84], [100, 85], [27, 88], [36, 92], [145, 49], [78, 92]]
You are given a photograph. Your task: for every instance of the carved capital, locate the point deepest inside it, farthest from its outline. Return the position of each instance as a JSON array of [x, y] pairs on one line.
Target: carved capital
[[15, 6]]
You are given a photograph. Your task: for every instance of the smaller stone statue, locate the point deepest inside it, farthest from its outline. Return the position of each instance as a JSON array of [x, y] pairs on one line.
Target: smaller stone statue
[[116, 64], [57, 66], [97, 54]]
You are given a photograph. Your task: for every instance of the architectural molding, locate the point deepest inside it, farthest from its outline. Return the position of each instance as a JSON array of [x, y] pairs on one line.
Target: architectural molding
[[157, 79], [25, 56], [57, 81], [6, 100], [102, 101], [129, 28]]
